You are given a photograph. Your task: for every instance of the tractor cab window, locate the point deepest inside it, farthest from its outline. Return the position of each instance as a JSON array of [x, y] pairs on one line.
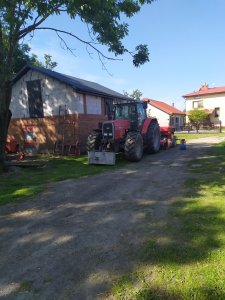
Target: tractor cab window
[[141, 114], [135, 112], [121, 112], [124, 112]]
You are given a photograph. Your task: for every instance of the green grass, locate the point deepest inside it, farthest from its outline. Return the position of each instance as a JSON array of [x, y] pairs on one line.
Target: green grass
[[185, 259], [190, 136], [25, 286], [122, 287], [25, 183]]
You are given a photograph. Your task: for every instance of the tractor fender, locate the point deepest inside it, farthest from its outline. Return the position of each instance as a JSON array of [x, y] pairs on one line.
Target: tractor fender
[[146, 124]]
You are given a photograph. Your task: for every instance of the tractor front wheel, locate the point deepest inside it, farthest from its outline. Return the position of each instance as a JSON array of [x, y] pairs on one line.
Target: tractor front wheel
[[153, 137], [133, 148], [93, 141]]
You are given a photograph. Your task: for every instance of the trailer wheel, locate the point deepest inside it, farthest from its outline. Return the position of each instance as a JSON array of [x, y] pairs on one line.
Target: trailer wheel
[[153, 137], [133, 148], [93, 141]]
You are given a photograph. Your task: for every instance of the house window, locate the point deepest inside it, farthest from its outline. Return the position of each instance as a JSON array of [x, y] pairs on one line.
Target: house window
[[198, 104], [35, 103], [217, 112], [93, 104]]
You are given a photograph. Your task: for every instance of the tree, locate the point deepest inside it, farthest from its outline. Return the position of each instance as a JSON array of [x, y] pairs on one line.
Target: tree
[[197, 117], [136, 94], [22, 56], [49, 64], [19, 18]]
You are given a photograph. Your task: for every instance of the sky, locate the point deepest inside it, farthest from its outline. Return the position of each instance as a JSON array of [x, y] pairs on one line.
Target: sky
[[186, 41]]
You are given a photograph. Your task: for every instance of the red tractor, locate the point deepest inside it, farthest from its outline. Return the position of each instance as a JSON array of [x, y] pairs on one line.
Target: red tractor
[[130, 132]]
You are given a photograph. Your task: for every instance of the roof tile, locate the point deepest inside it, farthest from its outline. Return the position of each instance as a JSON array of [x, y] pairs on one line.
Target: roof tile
[[206, 91], [165, 107], [80, 85]]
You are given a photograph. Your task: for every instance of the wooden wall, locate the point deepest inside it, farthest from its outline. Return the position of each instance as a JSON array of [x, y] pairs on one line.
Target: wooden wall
[[49, 129]]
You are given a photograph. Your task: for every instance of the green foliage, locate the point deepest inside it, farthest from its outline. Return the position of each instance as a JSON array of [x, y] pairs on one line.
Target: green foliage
[[141, 56], [49, 64], [19, 18], [197, 116], [136, 94], [22, 57]]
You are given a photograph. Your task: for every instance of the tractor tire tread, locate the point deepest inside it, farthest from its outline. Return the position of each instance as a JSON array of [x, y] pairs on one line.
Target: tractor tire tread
[[153, 132], [93, 141], [130, 146]]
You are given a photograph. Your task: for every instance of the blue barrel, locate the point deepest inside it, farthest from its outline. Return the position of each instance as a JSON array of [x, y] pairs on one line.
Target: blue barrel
[[182, 147]]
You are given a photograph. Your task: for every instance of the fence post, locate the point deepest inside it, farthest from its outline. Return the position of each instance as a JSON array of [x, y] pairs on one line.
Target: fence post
[[220, 126]]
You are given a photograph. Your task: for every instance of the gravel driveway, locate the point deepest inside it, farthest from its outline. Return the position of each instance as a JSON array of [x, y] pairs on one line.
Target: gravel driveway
[[72, 241]]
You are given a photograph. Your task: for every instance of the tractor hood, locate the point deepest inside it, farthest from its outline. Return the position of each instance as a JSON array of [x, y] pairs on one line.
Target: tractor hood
[[115, 129]]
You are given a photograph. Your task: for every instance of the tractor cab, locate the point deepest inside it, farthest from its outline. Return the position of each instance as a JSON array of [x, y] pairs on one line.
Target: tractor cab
[[135, 112], [130, 132]]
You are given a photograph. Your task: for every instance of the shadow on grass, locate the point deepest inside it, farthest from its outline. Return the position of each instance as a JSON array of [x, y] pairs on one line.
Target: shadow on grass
[[206, 293], [188, 237], [84, 234], [23, 183], [157, 293], [193, 235]]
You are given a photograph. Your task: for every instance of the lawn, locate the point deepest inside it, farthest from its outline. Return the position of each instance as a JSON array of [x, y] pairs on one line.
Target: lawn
[[188, 262], [24, 183], [191, 136]]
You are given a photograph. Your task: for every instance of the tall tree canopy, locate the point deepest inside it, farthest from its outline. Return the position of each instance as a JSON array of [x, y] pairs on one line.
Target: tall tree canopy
[[19, 18], [22, 56], [136, 94]]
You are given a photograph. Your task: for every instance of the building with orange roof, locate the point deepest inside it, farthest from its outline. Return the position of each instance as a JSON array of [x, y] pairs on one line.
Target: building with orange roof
[[166, 114], [210, 99]]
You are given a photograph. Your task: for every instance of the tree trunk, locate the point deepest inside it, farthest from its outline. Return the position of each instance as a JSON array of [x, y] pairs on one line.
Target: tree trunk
[[5, 116]]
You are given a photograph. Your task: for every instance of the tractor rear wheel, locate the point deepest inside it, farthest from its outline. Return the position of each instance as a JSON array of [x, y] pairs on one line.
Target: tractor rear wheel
[[93, 141], [133, 148], [153, 137]]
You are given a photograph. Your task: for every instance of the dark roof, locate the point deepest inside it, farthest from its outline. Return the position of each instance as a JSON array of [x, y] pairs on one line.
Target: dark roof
[[170, 110], [80, 85]]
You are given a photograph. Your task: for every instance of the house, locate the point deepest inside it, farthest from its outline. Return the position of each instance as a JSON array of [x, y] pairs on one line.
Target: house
[[166, 114], [210, 99], [56, 112]]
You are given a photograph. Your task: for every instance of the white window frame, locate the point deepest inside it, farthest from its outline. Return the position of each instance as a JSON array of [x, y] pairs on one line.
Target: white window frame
[[197, 104]]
